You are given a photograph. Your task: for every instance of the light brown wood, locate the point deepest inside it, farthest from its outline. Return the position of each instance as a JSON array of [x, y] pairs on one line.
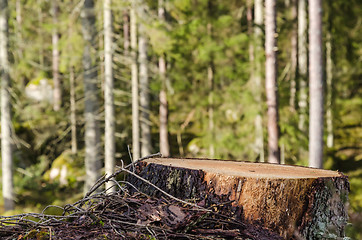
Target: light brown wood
[[289, 200]]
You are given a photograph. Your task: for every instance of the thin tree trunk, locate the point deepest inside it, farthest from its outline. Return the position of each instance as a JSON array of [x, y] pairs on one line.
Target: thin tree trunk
[[249, 18], [109, 142], [257, 78], [315, 85], [210, 80], [40, 34], [6, 149], [329, 97], [92, 131], [271, 80], [294, 55], [135, 102], [73, 118], [57, 94], [164, 144], [302, 63], [144, 94], [126, 42]]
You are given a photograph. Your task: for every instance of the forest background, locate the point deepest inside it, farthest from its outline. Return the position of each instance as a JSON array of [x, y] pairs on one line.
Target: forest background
[[204, 61]]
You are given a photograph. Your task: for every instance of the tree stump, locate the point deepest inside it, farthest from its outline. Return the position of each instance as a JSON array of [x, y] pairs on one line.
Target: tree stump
[[295, 202]]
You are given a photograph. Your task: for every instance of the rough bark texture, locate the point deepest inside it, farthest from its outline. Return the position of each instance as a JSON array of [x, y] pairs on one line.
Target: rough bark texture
[[258, 36], [135, 104], [92, 132], [109, 138], [271, 85], [291, 201], [6, 149], [315, 84], [57, 94]]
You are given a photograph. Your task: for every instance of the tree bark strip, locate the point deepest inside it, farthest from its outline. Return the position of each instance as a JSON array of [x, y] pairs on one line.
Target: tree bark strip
[[109, 141], [6, 125], [271, 84], [302, 63], [257, 78], [315, 84], [135, 95], [57, 94], [145, 123], [164, 143], [93, 163]]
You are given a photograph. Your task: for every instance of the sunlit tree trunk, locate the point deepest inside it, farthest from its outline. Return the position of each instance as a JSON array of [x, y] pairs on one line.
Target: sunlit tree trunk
[[57, 93], [294, 54], [271, 80], [315, 85], [257, 77], [109, 141], [73, 116], [6, 149], [164, 144], [329, 97], [145, 123], [302, 63], [92, 131], [135, 102]]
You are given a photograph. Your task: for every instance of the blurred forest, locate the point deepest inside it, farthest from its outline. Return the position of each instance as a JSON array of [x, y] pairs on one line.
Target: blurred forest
[[201, 60]]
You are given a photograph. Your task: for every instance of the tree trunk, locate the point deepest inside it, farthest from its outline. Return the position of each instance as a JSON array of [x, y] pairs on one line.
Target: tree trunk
[[126, 42], [73, 111], [164, 144], [6, 126], [329, 97], [294, 55], [109, 141], [92, 131], [40, 34], [271, 85], [144, 94], [292, 201], [302, 63], [315, 85], [57, 94], [210, 81], [135, 102], [257, 77]]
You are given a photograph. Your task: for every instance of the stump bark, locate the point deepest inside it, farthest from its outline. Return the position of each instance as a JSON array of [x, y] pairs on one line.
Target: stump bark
[[295, 202]]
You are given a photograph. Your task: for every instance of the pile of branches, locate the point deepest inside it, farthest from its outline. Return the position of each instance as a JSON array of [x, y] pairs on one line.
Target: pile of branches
[[121, 215]]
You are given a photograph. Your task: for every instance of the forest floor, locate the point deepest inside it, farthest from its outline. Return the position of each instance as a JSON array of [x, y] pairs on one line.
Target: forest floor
[[121, 215]]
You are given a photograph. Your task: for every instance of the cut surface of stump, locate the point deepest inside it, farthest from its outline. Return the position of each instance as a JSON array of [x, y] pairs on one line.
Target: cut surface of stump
[[291, 201]]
